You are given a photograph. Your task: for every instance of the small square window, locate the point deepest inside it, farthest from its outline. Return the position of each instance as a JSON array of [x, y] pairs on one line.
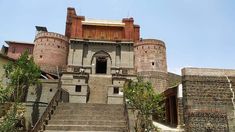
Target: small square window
[[78, 88], [152, 63], [116, 90]]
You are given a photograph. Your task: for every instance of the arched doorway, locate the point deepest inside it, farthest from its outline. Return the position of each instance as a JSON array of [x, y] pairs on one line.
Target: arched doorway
[[101, 63]]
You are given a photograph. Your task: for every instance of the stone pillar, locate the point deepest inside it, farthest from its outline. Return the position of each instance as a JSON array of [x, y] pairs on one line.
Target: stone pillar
[[93, 66]]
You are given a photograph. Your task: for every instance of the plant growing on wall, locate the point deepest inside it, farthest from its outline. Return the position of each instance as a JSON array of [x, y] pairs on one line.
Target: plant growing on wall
[[145, 102]]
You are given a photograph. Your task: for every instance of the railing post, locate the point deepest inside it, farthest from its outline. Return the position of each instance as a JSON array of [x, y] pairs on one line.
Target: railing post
[[46, 116], [126, 112]]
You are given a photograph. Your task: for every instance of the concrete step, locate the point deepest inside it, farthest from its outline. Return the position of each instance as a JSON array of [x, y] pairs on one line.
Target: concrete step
[[88, 117], [81, 105], [90, 109], [76, 131], [120, 123], [92, 112], [86, 128]]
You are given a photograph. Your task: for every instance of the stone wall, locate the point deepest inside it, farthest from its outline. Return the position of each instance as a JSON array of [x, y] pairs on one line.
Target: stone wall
[[38, 98], [205, 91], [207, 121], [72, 94], [82, 54]]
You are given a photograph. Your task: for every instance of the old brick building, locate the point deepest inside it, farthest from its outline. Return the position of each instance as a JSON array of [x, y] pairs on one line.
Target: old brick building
[[16, 48]]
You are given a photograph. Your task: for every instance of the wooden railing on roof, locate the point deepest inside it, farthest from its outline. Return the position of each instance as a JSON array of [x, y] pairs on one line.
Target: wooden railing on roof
[[43, 120]]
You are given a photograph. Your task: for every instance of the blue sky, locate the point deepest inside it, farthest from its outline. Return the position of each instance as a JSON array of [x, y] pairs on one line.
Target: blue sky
[[198, 33]]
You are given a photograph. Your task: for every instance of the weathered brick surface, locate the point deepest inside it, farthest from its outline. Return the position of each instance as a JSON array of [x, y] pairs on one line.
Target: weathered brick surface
[[158, 79], [150, 62], [17, 48], [76, 27], [50, 51], [204, 121], [150, 55], [207, 99]]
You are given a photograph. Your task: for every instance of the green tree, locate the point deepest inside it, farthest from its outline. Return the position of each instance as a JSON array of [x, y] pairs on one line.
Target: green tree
[[22, 73], [145, 102]]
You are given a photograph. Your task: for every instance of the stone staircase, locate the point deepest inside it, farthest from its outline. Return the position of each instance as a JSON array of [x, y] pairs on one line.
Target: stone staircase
[[87, 117], [98, 88]]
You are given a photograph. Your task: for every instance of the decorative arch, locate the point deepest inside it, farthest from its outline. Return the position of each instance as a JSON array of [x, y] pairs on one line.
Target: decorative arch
[[101, 62], [101, 53]]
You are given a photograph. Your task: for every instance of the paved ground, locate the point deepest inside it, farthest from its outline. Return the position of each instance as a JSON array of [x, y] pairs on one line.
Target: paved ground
[[164, 128]]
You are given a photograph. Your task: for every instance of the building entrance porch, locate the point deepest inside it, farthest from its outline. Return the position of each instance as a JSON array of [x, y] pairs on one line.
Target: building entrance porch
[[101, 63]]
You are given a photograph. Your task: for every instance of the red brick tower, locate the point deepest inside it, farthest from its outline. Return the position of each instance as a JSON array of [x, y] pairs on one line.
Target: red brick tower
[[50, 51], [150, 62]]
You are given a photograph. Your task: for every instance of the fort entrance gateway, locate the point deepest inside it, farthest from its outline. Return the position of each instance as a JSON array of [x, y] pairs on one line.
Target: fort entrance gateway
[[101, 65]]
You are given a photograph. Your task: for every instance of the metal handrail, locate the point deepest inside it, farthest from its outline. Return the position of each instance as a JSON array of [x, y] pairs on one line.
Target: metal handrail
[[126, 113], [40, 124]]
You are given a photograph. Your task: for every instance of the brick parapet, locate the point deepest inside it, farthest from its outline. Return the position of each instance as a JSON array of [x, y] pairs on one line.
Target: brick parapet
[[150, 42], [51, 35], [208, 72]]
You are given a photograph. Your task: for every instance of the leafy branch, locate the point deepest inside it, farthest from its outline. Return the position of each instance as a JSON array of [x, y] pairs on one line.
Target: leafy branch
[[142, 98]]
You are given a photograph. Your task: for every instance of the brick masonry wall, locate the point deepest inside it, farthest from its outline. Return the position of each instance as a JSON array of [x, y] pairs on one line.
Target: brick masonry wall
[[16, 49], [76, 29], [50, 51], [150, 55], [158, 80], [207, 99], [150, 62], [207, 121]]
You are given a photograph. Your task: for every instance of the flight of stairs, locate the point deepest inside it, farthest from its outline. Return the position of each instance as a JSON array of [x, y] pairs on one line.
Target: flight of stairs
[[98, 88], [87, 117]]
